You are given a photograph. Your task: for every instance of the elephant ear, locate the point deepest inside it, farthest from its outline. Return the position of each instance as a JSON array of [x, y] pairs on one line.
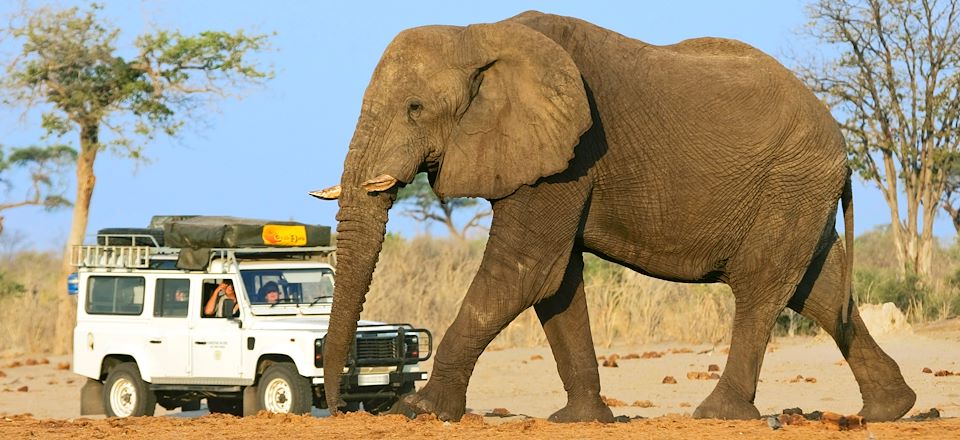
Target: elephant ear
[[526, 111]]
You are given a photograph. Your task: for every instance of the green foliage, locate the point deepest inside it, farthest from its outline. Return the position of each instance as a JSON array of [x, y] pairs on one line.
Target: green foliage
[[9, 287], [69, 59], [791, 323], [878, 287]]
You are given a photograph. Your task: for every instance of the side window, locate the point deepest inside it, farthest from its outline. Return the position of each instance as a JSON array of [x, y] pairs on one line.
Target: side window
[[107, 295], [172, 298], [215, 294]]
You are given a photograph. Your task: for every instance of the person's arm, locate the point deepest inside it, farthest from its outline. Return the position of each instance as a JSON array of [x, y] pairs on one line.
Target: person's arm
[[209, 309]]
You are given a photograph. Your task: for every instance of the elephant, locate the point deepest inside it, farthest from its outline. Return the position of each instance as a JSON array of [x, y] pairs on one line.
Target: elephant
[[704, 161]]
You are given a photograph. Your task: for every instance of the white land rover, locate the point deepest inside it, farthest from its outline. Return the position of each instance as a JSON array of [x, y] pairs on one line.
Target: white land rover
[[143, 337]]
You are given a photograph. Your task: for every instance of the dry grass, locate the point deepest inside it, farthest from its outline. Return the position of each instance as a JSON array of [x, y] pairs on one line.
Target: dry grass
[[28, 318], [423, 280]]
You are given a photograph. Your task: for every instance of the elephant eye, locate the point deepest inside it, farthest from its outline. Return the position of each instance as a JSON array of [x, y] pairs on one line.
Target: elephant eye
[[414, 108]]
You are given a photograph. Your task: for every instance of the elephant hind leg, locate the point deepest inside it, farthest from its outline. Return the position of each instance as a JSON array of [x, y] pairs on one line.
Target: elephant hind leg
[[820, 296], [754, 318], [567, 325]]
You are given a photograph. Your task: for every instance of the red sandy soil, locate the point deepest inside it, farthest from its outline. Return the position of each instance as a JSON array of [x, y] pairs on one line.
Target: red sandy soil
[[524, 382]]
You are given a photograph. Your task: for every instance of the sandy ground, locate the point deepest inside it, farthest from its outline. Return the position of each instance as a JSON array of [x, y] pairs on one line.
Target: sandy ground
[[43, 400]]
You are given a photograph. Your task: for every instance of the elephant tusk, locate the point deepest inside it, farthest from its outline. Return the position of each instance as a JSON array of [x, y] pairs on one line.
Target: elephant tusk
[[332, 193], [382, 182]]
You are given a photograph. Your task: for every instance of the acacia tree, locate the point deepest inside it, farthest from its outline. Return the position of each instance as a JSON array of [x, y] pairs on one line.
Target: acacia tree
[[69, 66], [894, 87], [44, 165], [418, 201]]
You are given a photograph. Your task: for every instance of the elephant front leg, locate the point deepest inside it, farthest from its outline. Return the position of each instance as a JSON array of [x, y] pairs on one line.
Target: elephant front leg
[[525, 261], [494, 299], [567, 325]]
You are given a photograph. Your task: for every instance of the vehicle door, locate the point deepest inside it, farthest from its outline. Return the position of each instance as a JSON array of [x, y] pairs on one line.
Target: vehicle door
[[168, 342], [215, 341]]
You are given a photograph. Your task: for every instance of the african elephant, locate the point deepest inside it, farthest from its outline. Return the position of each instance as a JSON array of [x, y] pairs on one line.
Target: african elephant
[[703, 161]]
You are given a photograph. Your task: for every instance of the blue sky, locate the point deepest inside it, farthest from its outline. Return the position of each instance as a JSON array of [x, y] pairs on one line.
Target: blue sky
[[258, 156]]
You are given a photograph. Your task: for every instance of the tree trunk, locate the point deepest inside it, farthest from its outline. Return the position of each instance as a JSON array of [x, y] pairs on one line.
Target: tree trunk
[[86, 179]]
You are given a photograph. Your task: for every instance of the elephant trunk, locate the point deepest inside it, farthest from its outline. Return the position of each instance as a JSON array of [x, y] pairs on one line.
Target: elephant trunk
[[360, 231]]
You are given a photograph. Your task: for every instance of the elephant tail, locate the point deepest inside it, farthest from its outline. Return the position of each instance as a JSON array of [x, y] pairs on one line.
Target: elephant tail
[[846, 201]]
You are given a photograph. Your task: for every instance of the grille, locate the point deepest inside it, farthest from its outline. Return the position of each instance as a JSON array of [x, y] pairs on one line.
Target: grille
[[377, 348]]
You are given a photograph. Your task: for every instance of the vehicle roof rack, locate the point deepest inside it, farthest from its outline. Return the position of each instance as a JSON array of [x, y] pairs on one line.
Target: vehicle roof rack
[[141, 257]]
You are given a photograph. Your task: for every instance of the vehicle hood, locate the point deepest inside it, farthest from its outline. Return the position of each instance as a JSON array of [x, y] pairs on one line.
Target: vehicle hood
[[314, 323]]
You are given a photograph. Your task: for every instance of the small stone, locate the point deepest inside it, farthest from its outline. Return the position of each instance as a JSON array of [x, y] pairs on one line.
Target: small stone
[[810, 380], [471, 419], [612, 402], [943, 373], [713, 367], [501, 412], [714, 376], [23, 389], [651, 355], [536, 357], [632, 356], [63, 366], [642, 404], [774, 423], [669, 380], [611, 363]]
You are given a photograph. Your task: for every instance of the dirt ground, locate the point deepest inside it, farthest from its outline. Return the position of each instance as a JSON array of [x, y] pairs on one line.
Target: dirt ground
[[39, 399]]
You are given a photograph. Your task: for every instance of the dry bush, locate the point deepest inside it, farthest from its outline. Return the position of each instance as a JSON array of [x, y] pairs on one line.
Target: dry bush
[[28, 317]]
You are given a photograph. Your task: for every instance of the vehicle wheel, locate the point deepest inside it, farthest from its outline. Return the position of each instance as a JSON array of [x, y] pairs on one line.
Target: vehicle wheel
[[283, 390], [377, 406], [225, 405], [125, 394]]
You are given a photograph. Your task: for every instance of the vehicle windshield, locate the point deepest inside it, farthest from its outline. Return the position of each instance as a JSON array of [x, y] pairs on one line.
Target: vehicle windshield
[[288, 286]]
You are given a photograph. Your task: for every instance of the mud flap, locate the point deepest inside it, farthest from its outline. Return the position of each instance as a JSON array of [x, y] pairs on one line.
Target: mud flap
[[251, 403], [91, 398]]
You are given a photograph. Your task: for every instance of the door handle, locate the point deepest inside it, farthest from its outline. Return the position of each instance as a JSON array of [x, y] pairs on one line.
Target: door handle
[[156, 341], [200, 342]]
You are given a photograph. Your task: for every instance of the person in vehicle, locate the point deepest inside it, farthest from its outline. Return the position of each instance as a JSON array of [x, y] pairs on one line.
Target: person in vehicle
[[269, 293], [223, 292]]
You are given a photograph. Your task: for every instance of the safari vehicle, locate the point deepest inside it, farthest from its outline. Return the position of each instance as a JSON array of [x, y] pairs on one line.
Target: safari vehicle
[[142, 337]]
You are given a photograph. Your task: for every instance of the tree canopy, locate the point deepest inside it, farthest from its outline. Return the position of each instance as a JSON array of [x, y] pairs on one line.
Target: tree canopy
[[894, 88], [418, 201]]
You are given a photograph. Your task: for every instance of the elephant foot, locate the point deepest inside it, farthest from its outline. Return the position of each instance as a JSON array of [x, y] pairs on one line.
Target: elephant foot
[[721, 405], [583, 410], [888, 403], [428, 401]]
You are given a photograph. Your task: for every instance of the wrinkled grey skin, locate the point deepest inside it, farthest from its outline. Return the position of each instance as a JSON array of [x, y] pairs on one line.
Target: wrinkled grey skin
[[703, 161]]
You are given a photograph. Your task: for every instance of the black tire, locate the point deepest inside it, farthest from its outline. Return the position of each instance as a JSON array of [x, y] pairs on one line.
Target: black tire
[[378, 406], [225, 405], [125, 394], [124, 237], [282, 390]]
